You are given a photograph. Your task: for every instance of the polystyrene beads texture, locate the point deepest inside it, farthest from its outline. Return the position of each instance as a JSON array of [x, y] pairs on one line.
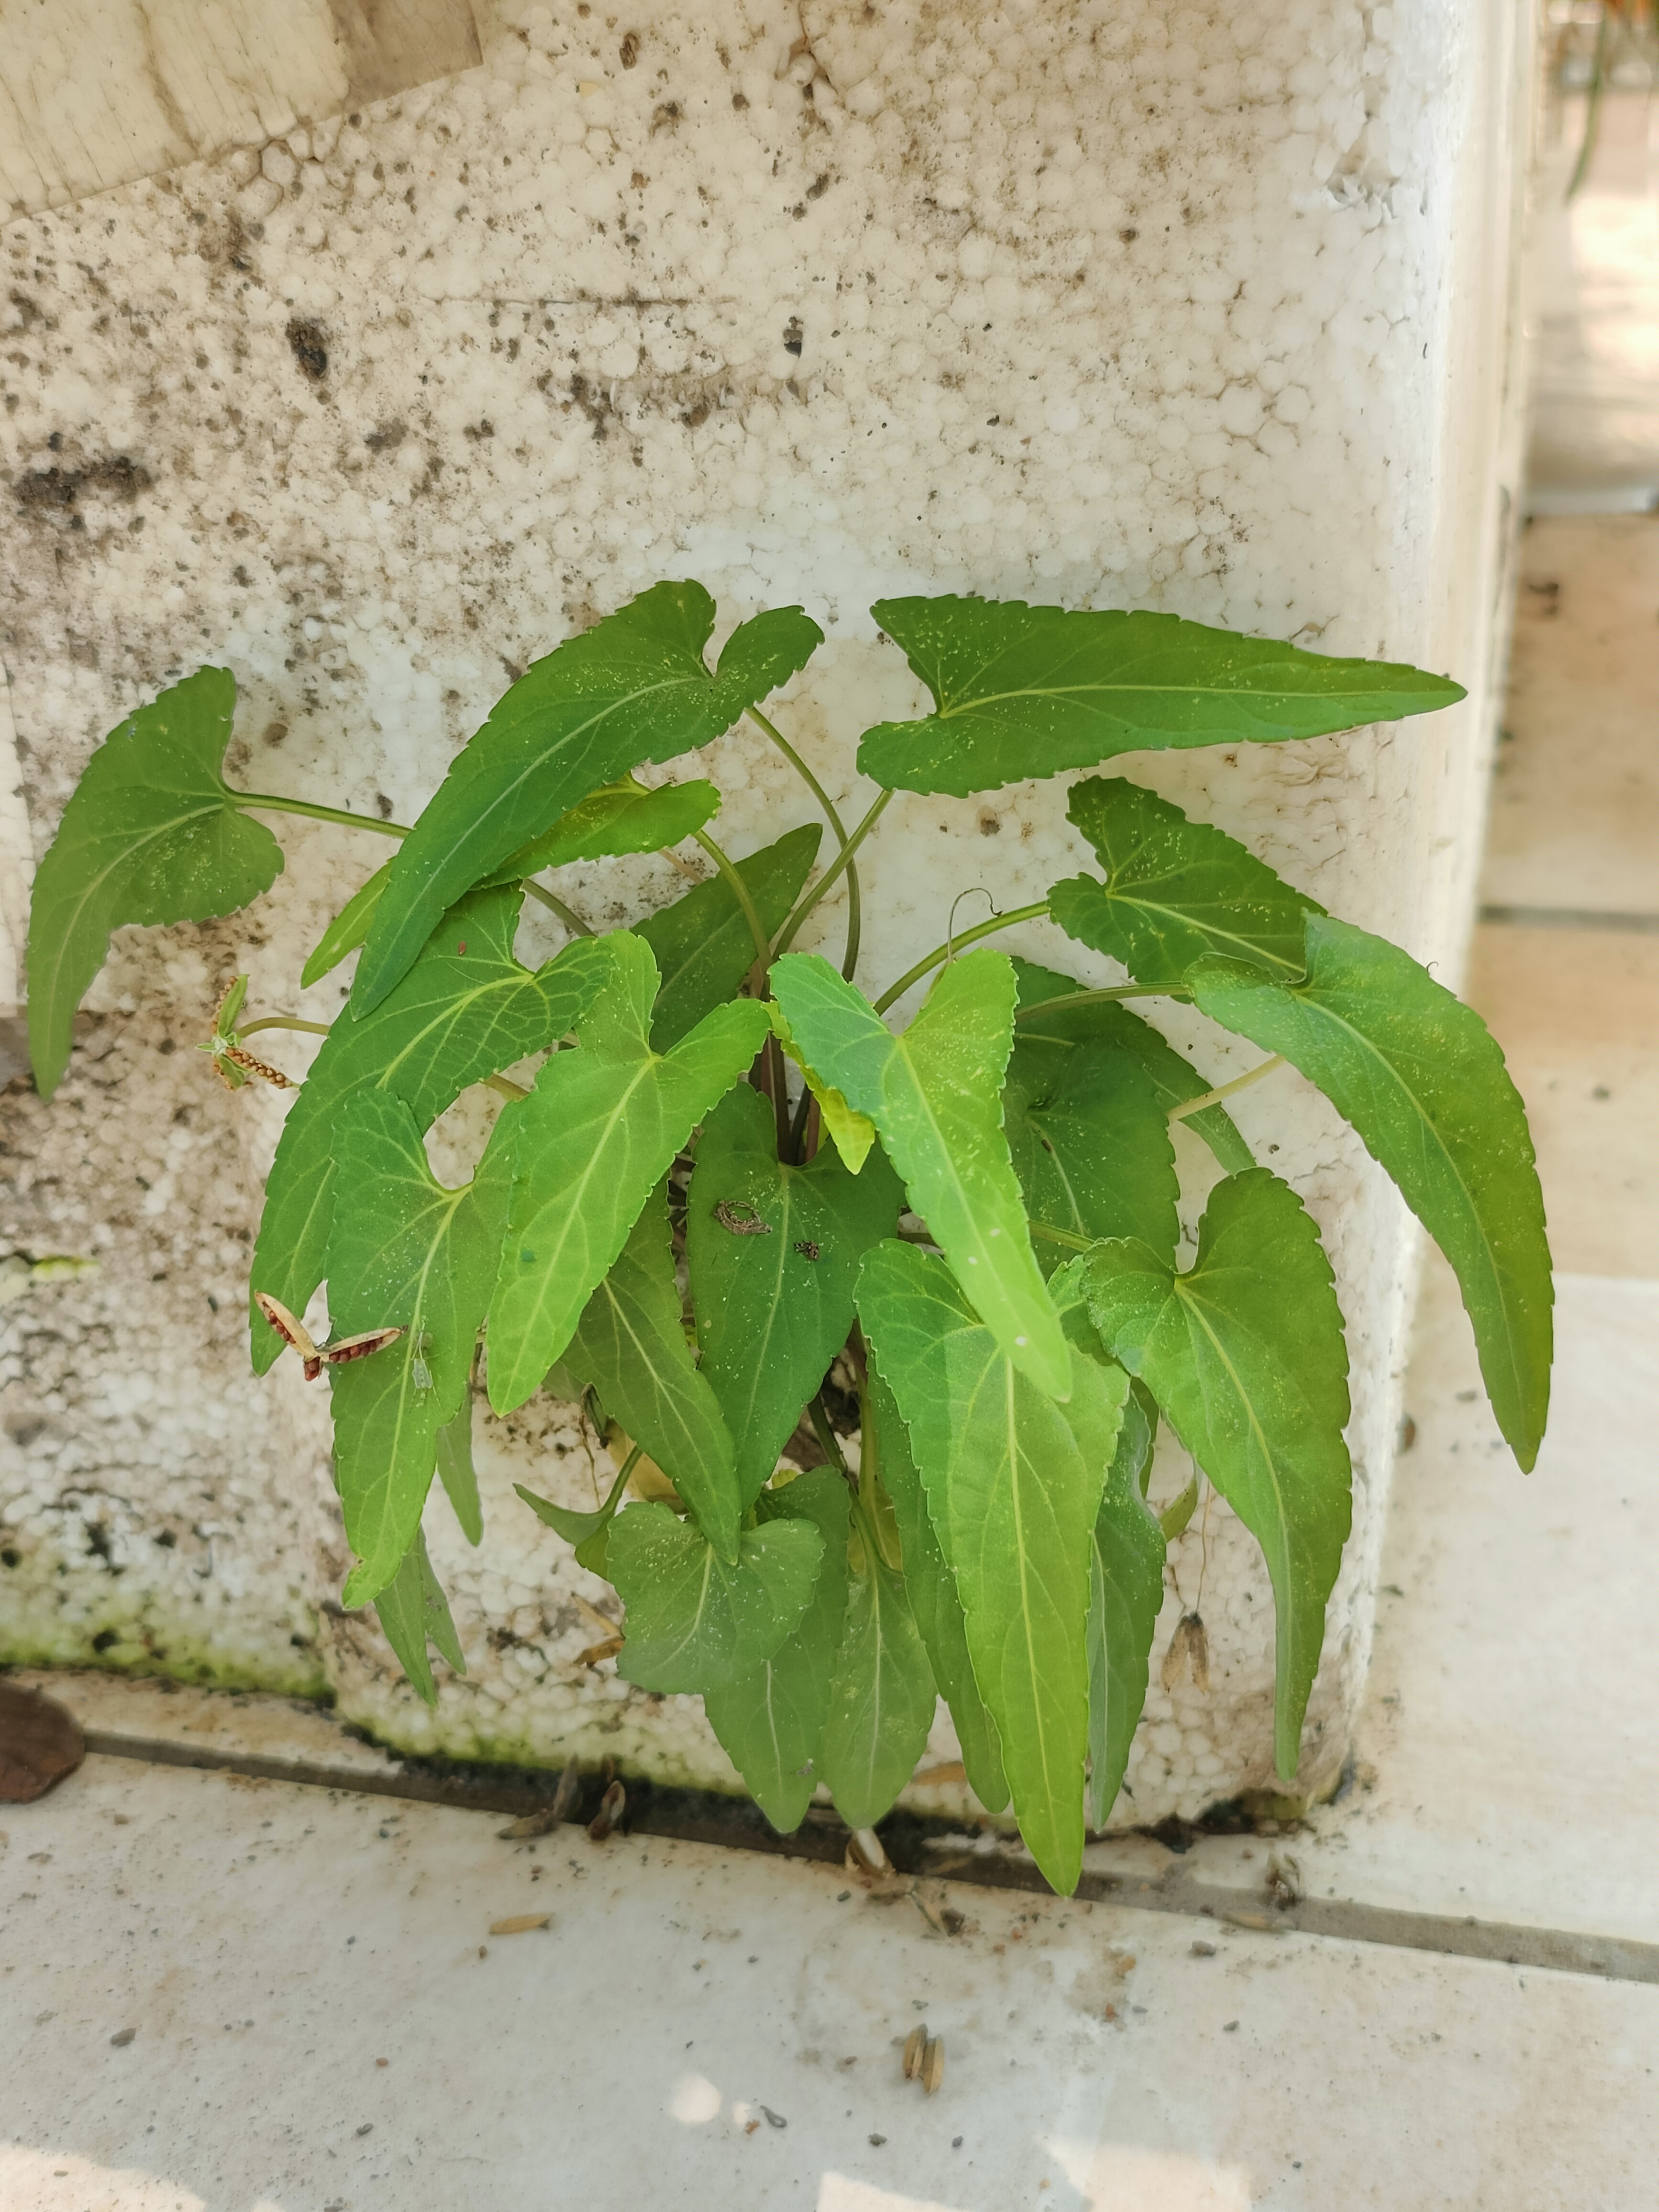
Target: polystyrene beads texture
[[1100, 304]]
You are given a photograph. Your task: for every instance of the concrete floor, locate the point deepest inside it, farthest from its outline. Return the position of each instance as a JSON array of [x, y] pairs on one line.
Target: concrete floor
[[222, 1994]]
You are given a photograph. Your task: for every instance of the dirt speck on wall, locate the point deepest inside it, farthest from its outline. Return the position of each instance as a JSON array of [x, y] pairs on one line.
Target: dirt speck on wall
[[1104, 304]]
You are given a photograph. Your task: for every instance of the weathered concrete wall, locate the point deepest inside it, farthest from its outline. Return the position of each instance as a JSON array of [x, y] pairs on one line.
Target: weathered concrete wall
[[1190, 308]]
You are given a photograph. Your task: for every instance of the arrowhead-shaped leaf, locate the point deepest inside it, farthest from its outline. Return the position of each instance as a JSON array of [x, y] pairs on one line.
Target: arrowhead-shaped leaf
[[465, 1010], [1013, 1485], [620, 818], [631, 1345], [635, 688], [934, 1095], [1245, 1356], [774, 1253], [403, 1252], [703, 943], [1048, 1037], [882, 1698], [1175, 890], [1126, 1597], [771, 1721], [152, 833], [596, 1135], [1422, 1079], [1028, 691], [347, 931], [413, 1611], [695, 1623], [934, 1598]]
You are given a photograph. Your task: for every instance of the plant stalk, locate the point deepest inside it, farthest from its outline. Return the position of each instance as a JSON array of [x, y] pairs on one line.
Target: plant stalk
[[268, 802], [1108, 996], [843, 861], [1190, 1106], [831, 814], [740, 892], [943, 952]]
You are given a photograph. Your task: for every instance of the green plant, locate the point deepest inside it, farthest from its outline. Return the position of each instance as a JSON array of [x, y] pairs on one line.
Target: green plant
[[730, 1174]]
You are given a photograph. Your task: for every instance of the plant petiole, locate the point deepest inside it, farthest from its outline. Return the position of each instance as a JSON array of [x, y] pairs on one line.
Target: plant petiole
[[843, 859], [952, 945], [268, 802], [855, 902], [740, 892], [1065, 1237], [282, 1022], [572, 920], [1108, 996], [1190, 1106]]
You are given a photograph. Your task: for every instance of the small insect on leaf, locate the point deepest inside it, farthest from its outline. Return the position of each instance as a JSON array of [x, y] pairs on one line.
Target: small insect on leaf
[[314, 1356], [419, 1373]]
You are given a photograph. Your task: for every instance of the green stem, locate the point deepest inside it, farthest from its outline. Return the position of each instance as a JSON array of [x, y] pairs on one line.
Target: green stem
[[507, 1087], [1110, 996], [1190, 1106], [854, 905], [954, 944], [1065, 1236], [572, 920], [843, 861], [740, 892], [269, 803], [282, 1022]]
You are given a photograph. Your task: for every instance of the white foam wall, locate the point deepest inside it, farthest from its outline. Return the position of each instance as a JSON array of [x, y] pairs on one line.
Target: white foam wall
[[1109, 305]]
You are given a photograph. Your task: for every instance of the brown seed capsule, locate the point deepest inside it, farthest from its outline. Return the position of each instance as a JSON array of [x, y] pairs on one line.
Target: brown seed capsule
[[915, 2045], [932, 2065]]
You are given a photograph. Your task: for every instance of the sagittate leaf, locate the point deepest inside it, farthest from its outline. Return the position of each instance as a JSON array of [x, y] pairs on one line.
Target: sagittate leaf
[[1049, 1036], [1090, 1137], [882, 1698], [774, 1252], [631, 1345], [347, 931], [771, 1721], [1174, 891], [466, 1010], [403, 1252], [1246, 1357], [934, 1599], [458, 1473], [152, 833], [1126, 1597], [703, 943], [1013, 1484], [635, 688], [1422, 1079], [695, 1622], [1029, 691], [413, 1611], [626, 817], [933, 1093], [596, 1135]]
